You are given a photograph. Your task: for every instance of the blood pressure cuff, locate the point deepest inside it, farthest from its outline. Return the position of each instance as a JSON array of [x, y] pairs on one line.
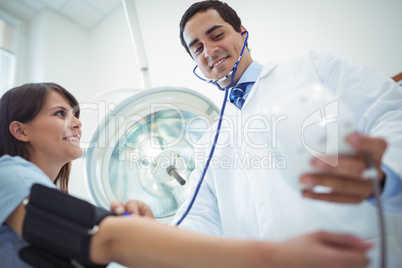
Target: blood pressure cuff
[[59, 228], [42, 259]]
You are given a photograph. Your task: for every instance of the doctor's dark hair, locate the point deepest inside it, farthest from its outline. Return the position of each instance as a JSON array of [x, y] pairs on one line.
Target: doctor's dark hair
[[23, 104], [227, 13]]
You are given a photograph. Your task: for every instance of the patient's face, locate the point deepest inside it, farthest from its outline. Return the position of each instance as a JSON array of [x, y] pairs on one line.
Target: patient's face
[[54, 134]]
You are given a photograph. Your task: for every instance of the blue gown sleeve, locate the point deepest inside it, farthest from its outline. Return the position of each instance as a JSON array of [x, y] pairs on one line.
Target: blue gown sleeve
[[16, 178]]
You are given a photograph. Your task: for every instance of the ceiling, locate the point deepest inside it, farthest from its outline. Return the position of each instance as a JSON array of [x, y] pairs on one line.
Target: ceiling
[[86, 13]]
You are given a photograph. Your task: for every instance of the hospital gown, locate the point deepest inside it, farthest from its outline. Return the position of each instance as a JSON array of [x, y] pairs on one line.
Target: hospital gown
[[16, 178]]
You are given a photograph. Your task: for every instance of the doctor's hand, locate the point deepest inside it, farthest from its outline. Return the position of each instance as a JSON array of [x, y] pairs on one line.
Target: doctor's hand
[[322, 249], [133, 207], [346, 179]]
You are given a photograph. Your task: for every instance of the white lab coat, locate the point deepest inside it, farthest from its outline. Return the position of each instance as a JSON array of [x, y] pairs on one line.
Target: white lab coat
[[241, 199]]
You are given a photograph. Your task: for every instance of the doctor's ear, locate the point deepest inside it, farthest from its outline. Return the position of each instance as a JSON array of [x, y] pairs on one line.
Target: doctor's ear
[[243, 30], [17, 130]]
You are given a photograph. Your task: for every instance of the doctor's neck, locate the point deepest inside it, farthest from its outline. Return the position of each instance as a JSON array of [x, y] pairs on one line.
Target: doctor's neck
[[242, 67]]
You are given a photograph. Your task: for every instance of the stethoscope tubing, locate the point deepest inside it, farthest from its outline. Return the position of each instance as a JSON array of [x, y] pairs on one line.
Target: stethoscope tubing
[[211, 153]]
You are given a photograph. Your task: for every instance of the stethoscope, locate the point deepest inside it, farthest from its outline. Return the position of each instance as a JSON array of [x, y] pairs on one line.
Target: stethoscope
[[226, 89]]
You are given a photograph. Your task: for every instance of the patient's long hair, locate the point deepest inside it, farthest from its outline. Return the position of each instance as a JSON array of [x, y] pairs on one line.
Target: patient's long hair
[[22, 104]]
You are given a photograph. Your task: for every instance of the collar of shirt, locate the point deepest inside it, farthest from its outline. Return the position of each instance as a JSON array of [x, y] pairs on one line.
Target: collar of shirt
[[250, 75]]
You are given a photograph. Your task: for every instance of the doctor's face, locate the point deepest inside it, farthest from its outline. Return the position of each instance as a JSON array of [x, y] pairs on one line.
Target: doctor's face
[[214, 45], [54, 134]]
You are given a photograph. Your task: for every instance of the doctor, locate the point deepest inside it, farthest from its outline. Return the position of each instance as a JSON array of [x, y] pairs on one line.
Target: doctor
[[250, 201]]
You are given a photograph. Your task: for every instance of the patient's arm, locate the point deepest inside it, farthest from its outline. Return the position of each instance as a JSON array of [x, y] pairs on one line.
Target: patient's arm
[[141, 242], [138, 241], [16, 219]]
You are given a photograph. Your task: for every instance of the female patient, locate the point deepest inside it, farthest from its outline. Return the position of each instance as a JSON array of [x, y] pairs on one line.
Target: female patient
[[38, 123], [40, 135]]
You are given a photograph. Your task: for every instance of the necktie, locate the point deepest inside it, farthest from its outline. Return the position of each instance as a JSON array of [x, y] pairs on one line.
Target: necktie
[[236, 95]]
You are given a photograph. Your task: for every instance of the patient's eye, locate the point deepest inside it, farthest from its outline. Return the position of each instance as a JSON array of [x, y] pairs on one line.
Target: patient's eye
[[60, 113]]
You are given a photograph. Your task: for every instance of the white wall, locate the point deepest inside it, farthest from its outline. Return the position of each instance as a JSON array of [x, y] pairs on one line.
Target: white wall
[[88, 62], [57, 51], [365, 30], [113, 61]]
